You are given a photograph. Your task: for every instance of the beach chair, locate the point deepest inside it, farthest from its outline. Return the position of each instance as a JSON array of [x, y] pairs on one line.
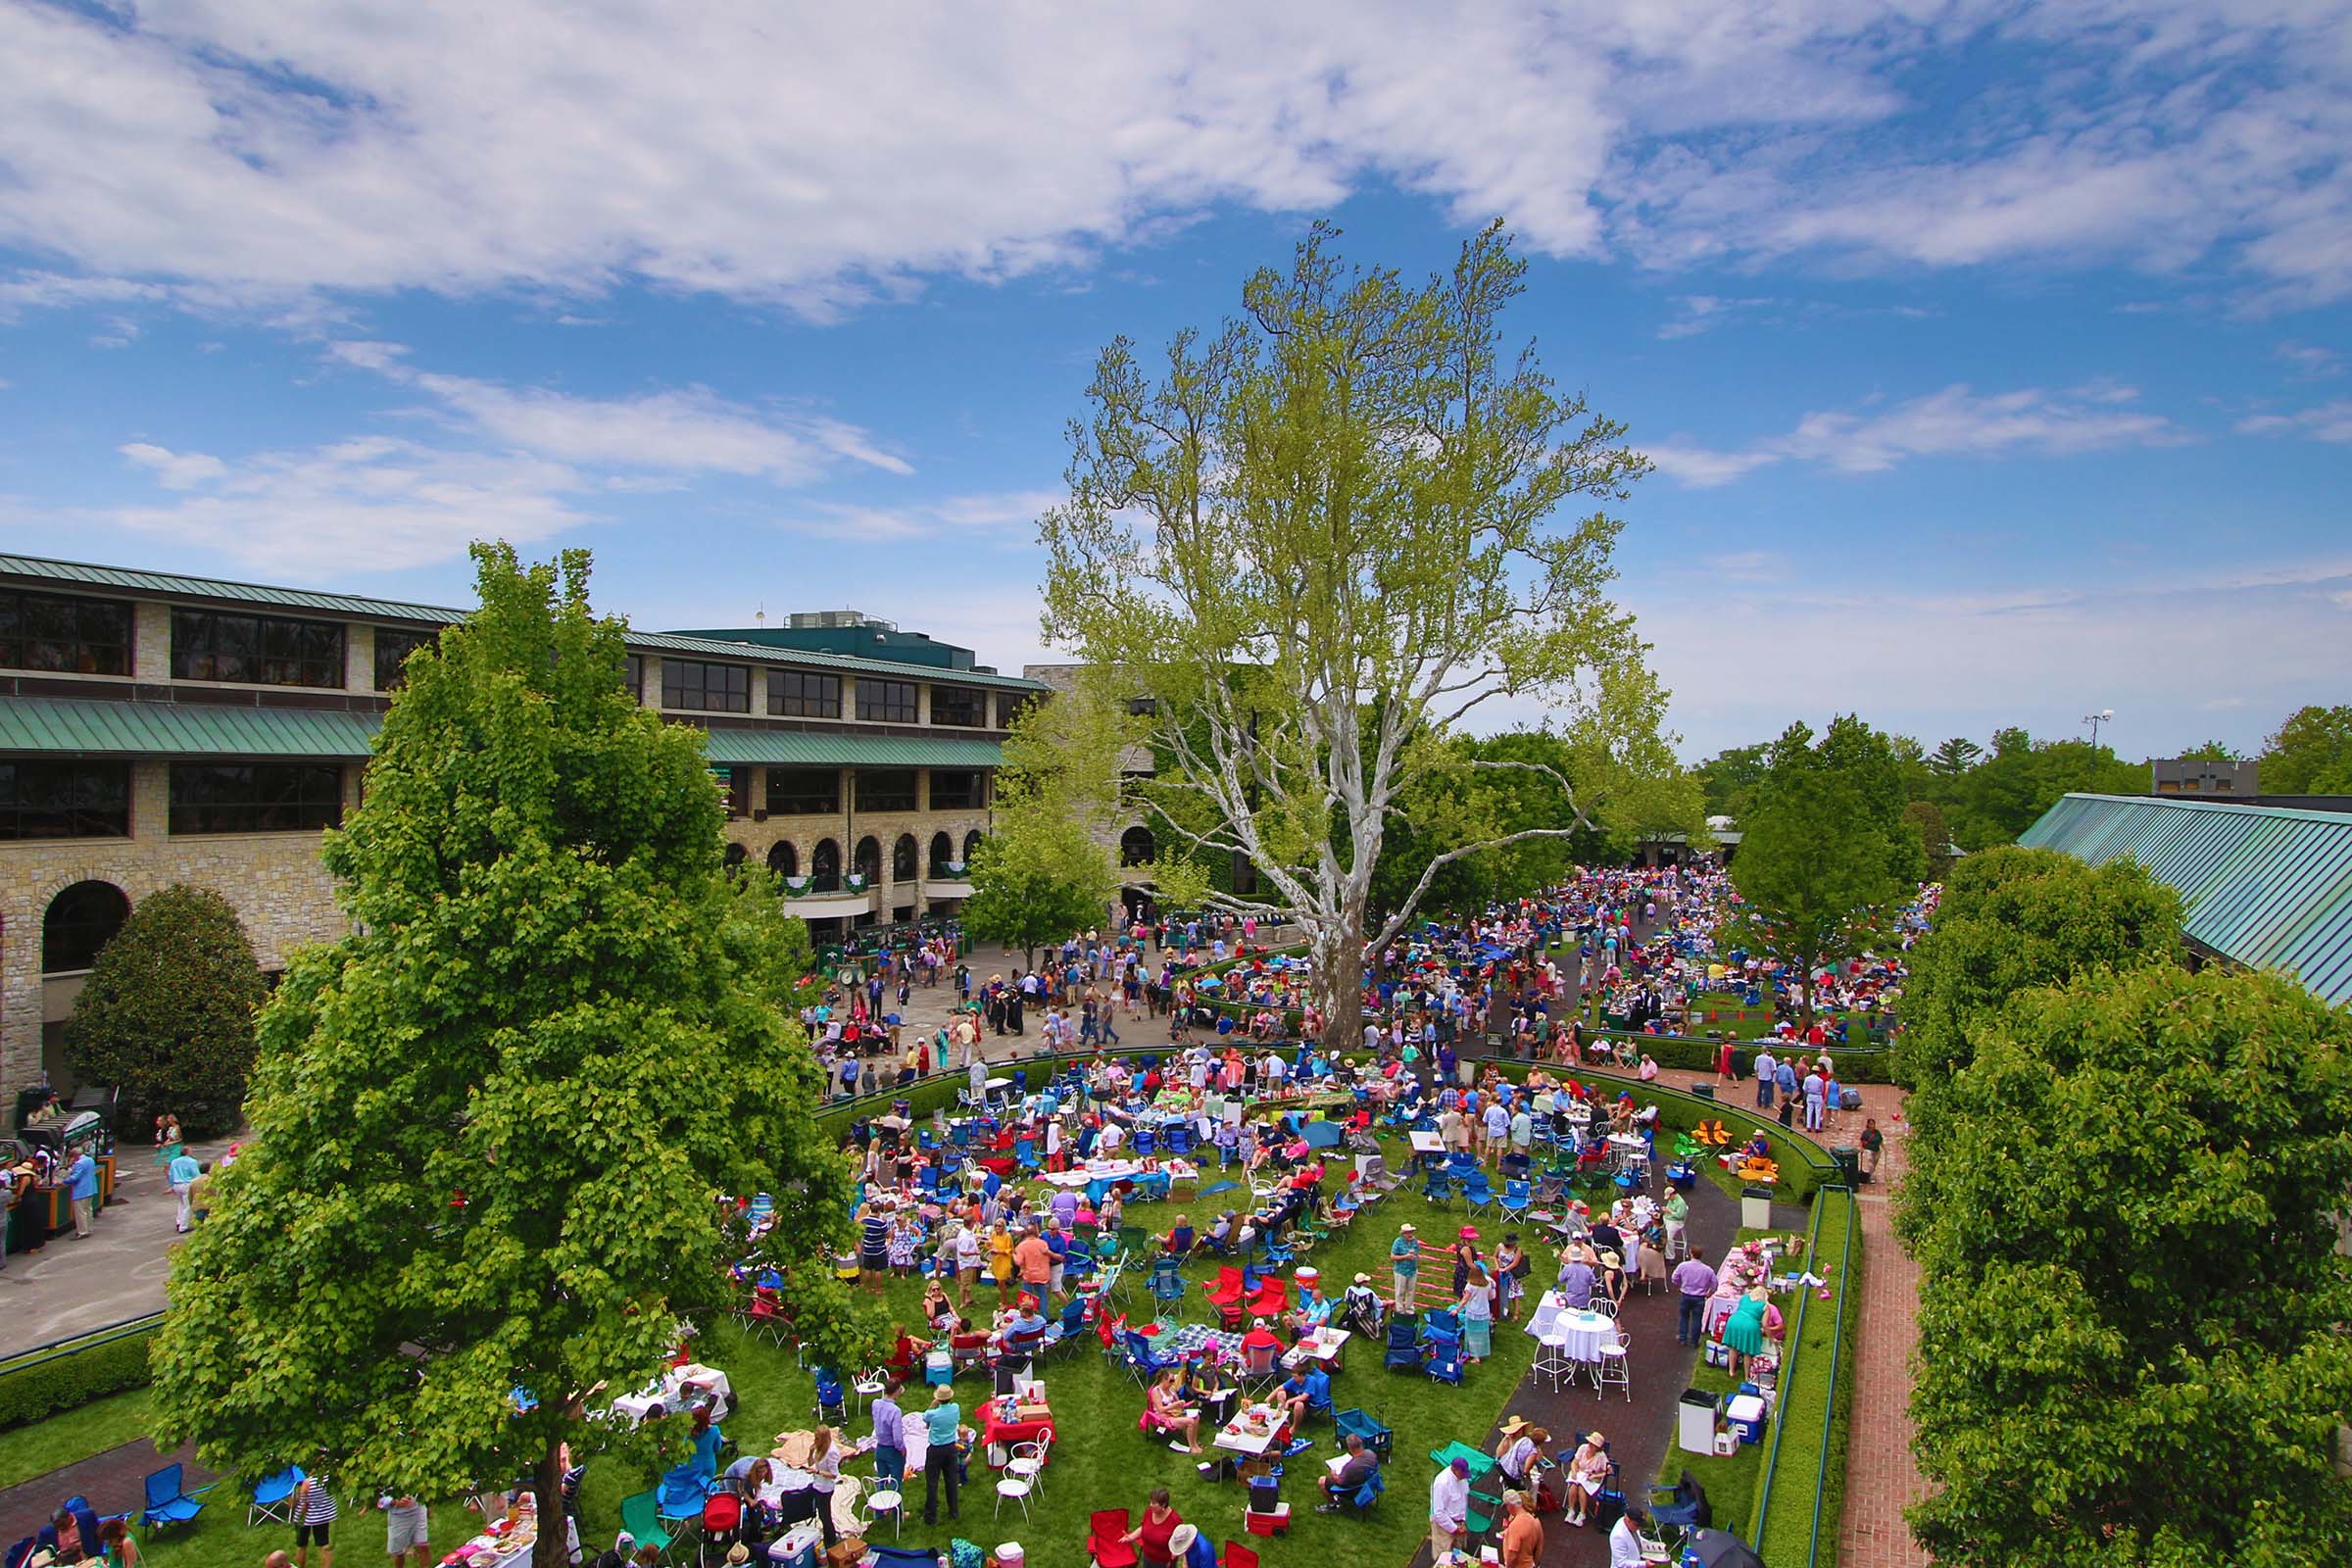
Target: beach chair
[[273, 1498], [169, 1502], [641, 1518]]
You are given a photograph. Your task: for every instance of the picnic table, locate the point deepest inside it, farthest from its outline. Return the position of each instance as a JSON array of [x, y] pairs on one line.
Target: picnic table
[[680, 1387], [1320, 1345]]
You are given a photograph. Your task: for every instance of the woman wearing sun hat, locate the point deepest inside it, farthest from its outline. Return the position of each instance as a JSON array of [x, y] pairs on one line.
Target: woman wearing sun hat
[[1192, 1548]]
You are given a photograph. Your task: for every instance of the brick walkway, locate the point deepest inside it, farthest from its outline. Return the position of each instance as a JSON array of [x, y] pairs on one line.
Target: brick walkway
[[1881, 1474], [1882, 1477]]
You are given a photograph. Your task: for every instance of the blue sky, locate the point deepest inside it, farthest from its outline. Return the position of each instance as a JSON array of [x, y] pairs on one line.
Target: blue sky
[[1994, 358]]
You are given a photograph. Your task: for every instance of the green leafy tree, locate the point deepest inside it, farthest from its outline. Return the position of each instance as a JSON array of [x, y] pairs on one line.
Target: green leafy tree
[[1730, 776], [2008, 792], [1319, 542], [1813, 874], [1934, 836], [167, 1011], [494, 1125], [2214, 752], [2010, 919], [1045, 868], [2132, 1306], [2310, 753]]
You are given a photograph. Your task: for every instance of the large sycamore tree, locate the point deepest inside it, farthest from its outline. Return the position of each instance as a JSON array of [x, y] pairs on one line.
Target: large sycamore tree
[[494, 1127], [1318, 541]]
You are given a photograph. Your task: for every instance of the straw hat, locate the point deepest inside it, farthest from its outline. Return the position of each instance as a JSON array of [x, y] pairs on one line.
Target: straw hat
[[1516, 1425], [1181, 1538], [1595, 1438], [1611, 1260], [739, 1554], [1406, 1226]]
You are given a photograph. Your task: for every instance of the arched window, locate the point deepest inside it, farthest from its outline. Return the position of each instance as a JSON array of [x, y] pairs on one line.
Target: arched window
[[736, 855], [903, 857], [943, 850], [783, 859], [824, 868], [80, 920], [868, 862], [971, 845], [1136, 847]]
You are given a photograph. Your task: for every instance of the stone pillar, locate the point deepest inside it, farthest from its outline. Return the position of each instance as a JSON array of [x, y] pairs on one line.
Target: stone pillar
[[359, 657], [151, 640]]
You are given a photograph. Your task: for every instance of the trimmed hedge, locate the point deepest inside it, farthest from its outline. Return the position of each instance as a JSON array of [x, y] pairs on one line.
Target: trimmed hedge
[[1808, 1478], [64, 1382]]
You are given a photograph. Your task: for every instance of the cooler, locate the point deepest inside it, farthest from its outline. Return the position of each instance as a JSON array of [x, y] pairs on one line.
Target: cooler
[[1745, 1414], [796, 1547]]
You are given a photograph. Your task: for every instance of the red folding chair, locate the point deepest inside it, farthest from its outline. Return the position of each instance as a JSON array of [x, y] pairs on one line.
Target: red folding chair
[[1107, 1539]]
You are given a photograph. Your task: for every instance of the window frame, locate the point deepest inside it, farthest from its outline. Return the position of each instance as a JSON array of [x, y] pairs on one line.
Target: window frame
[[74, 814], [17, 637], [968, 699], [908, 802], [253, 665], [878, 701], [973, 801], [675, 692], [789, 697], [780, 804], [311, 808]]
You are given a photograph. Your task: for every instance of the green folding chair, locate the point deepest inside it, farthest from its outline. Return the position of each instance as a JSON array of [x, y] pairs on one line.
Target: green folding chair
[[641, 1517]]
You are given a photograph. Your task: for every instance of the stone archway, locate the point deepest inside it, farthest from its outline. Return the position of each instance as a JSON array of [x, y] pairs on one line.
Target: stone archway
[[79, 920]]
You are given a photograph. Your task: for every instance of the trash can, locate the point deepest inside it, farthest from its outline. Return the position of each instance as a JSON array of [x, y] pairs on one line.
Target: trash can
[[1849, 1164], [1703, 1091], [1755, 1208], [1695, 1431]]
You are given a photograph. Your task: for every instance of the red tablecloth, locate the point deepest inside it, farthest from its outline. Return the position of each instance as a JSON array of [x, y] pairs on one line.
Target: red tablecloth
[[994, 1432]]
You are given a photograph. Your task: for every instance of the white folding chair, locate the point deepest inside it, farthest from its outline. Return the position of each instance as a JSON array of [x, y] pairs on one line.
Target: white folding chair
[[1613, 1367], [1028, 1463], [1551, 1359], [1017, 1489]]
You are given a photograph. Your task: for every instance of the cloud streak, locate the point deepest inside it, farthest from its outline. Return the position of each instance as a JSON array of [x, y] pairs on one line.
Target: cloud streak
[[1956, 421]]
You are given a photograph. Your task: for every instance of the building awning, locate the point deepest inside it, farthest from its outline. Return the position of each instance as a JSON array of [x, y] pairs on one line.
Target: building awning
[[72, 727], [80, 728]]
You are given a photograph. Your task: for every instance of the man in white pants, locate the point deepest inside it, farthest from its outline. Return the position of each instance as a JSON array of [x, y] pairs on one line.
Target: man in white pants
[[182, 1173]]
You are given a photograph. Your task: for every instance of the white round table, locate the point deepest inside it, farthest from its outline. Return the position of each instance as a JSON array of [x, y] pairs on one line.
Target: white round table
[[1584, 1334]]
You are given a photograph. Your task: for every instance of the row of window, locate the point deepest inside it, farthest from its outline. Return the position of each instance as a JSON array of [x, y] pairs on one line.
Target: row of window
[[44, 799], [817, 791], [824, 860], [62, 634]]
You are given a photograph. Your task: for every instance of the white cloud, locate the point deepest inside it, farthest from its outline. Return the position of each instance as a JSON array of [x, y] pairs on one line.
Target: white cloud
[[2326, 421], [1702, 312], [1748, 566], [1956, 421], [2310, 362], [176, 470], [991, 517], [350, 506], [217, 150], [691, 430]]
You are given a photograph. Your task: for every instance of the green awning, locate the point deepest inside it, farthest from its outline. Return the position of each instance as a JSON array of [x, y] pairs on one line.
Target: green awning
[[180, 729], [84, 728]]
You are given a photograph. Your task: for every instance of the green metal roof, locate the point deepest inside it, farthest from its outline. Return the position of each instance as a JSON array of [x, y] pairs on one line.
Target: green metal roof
[[180, 729], [202, 730], [783, 748], [86, 575], [2268, 886]]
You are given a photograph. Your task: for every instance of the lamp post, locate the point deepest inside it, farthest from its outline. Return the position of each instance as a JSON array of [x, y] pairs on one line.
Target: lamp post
[[2105, 716]]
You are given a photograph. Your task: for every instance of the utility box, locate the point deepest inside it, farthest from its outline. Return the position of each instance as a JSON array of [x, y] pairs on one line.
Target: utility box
[[1755, 1208], [1694, 1432]]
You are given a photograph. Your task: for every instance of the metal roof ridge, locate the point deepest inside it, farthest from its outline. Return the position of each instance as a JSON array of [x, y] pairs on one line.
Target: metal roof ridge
[[2302, 814]]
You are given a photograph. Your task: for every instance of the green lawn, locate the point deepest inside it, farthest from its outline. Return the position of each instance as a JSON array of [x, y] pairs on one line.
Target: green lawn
[[1798, 1473], [1101, 1461], [73, 1435]]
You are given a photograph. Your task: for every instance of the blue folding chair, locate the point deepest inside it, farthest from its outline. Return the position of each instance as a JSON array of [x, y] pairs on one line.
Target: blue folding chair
[[168, 1500], [1517, 1196], [274, 1498], [1476, 1194], [1168, 1282], [1444, 1362]]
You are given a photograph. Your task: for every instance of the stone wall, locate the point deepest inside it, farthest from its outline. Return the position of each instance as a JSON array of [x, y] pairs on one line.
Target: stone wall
[[274, 882]]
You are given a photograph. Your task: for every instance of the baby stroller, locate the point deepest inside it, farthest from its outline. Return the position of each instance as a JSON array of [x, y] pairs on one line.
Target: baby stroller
[[722, 1527]]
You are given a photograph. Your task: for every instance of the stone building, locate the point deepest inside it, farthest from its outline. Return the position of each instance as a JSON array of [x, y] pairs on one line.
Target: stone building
[[157, 729]]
